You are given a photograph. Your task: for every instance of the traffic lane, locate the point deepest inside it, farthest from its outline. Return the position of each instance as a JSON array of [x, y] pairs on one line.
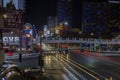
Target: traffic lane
[[98, 65], [53, 68], [115, 57], [77, 70]]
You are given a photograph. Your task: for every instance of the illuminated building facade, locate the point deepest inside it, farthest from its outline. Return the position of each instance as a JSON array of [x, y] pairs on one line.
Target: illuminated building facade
[[100, 17], [13, 14], [64, 12], [13, 19]]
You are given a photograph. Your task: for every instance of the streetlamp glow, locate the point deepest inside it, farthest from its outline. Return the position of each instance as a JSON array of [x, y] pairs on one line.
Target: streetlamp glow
[[5, 16], [11, 32], [66, 23]]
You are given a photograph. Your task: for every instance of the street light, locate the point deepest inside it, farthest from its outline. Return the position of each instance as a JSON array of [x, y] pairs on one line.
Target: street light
[[66, 23], [5, 16]]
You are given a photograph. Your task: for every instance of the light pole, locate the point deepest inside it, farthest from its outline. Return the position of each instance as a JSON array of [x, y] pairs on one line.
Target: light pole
[[20, 43], [12, 37], [92, 34], [40, 58]]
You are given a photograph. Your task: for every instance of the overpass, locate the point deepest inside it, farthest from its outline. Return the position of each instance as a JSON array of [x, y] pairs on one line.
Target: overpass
[[74, 40]]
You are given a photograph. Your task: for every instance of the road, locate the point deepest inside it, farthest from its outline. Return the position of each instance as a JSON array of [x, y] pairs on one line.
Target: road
[[53, 68], [103, 67], [72, 66]]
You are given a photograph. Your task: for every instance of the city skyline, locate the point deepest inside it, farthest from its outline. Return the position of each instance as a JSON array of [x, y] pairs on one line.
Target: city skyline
[[38, 12]]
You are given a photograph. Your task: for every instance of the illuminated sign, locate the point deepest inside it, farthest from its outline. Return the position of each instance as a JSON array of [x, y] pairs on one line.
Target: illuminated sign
[[28, 29], [10, 39]]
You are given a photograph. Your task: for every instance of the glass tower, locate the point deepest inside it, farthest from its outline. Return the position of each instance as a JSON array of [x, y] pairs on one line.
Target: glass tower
[[64, 12], [100, 17], [94, 17], [114, 16]]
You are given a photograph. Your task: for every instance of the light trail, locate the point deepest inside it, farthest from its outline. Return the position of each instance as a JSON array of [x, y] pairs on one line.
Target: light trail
[[85, 67], [71, 75], [75, 72], [81, 69], [65, 77]]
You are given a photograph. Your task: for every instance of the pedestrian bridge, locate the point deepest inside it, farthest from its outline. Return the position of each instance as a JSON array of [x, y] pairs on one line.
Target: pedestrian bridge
[[74, 40]]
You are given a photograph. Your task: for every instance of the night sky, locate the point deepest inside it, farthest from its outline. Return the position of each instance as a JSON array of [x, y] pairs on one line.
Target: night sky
[[37, 11]]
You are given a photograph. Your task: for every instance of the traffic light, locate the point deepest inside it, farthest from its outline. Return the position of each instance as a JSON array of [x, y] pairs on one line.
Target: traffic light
[[1, 36]]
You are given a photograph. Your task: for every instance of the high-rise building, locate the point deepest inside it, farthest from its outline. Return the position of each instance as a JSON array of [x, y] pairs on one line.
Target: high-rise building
[[52, 22], [94, 16], [21, 4], [100, 17], [64, 12], [114, 16]]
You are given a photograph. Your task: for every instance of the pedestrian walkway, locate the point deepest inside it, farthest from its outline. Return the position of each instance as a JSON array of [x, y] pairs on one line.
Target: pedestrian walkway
[[25, 55], [52, 69]]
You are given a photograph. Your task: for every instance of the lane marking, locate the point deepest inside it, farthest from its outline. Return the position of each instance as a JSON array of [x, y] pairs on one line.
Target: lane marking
[[82, 69], [75, 72], [71, 75]]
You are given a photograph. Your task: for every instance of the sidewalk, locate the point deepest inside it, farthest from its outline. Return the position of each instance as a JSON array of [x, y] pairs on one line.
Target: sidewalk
[[24, 55], [52, 70]]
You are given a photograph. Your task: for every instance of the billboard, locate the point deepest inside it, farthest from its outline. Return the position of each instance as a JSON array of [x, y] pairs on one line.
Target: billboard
[[28, 29]]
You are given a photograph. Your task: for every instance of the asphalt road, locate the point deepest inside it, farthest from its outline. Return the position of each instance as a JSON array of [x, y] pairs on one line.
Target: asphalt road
[[60, 69], [53, 70], [104, 68]]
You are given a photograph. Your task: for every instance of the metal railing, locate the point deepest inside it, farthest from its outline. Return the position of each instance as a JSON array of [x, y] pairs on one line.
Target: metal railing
[[80, 40]]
